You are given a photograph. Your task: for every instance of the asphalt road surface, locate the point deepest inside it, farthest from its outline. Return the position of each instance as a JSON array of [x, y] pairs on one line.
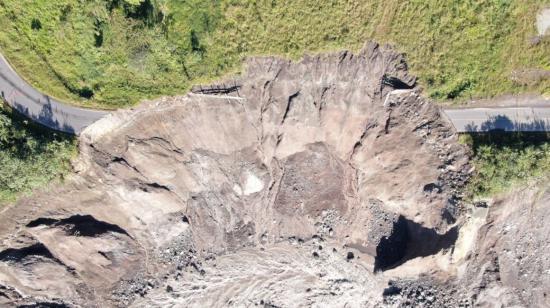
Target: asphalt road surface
[[526, 119], [62, 117], [39, 107]]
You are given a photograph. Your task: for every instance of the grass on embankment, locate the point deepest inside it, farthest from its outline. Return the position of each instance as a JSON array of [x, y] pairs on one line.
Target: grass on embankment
[[505, 160], [113, 53], [30, 156]]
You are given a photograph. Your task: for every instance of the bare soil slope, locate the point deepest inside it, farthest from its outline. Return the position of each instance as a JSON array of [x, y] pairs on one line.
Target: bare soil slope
[[308, 184]]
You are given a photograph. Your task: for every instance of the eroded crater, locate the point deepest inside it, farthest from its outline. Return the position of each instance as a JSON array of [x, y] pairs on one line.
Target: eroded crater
[[338, 152]]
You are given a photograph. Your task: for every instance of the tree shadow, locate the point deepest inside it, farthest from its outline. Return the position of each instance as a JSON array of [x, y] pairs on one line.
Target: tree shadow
[[514, 140], [45, 117], [26, 139], [503, 158], [505, 124]]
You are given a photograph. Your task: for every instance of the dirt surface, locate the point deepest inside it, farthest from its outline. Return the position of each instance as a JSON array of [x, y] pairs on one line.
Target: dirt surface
[[303, 184], [510, 267], [543, 21], [503, 245]]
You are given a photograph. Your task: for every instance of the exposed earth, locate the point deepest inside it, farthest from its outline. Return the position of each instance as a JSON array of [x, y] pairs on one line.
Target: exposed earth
[[324, 182], [543, 21]]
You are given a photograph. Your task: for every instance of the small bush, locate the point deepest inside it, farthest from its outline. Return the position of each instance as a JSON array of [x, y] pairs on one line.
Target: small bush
[[36, 24], [503, 160], [30, 156]]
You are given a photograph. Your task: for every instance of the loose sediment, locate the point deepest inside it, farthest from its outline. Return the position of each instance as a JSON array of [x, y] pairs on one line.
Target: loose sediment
[[300, 183]]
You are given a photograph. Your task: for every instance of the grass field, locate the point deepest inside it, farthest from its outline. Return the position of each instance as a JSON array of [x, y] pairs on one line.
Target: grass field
[[113, 53]]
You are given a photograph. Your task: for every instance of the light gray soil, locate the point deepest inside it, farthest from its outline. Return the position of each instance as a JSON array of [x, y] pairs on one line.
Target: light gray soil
[[543, 21]]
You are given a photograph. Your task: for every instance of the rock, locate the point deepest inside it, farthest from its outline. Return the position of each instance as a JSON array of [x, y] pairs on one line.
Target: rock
[[481, 204]]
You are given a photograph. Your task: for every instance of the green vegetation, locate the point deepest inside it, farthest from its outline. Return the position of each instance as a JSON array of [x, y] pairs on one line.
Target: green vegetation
[[106, 53], [113, 53], [30, 156], [504, 160]]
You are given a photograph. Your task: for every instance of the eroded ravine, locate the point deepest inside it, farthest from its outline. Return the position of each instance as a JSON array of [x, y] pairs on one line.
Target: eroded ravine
[[293, 187]]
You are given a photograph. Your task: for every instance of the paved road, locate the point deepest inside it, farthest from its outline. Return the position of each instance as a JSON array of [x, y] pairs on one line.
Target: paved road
[[41, 108], [527, 119], [56, 115]]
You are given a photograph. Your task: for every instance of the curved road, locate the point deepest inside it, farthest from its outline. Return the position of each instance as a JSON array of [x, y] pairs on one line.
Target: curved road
[[509, 119], [39, 107], [51, 113], [533, 116]]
